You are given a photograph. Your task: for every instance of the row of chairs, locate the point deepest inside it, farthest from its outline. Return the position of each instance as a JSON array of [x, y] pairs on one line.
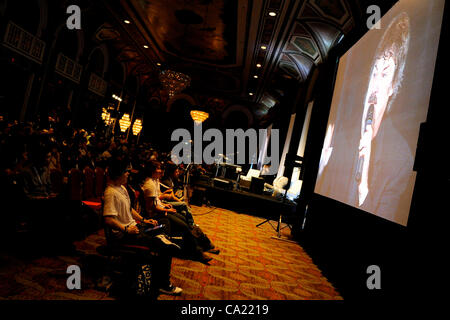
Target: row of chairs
[[86, 184]]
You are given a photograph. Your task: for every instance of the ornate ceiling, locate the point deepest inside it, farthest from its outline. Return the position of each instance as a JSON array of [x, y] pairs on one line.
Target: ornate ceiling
[[232, 50]]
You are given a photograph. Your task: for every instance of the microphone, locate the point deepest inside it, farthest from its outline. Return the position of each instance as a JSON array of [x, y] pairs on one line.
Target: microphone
[[224, 156], [369, 117], [368, 122], [359, 168]]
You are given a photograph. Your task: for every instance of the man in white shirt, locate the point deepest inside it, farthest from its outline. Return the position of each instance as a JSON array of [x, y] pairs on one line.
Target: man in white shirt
[[121, 217]]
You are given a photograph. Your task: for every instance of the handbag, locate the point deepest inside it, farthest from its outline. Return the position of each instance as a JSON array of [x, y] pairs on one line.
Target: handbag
[[143, 280]]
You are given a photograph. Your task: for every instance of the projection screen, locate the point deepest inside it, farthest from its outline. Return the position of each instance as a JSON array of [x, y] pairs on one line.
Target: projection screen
[[381, 95]]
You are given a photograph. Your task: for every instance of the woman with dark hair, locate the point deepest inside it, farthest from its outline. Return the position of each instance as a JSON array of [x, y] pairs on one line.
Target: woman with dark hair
[[169, 196], [173, 193]]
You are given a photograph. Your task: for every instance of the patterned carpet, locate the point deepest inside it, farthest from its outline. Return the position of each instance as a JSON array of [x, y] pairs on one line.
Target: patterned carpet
[[250, 266]]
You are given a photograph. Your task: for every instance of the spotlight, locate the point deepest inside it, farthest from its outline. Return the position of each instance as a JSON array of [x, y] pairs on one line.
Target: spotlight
[[116, 97]]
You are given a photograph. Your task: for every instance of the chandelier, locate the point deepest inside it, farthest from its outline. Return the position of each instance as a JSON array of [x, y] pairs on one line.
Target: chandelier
[[199, 116], [174, 82], [137, 126], [106, 117], [104, 114], [125, 122]]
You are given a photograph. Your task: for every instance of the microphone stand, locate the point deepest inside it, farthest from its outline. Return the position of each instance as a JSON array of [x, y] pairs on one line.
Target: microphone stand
[[292, 161], [186, 182]]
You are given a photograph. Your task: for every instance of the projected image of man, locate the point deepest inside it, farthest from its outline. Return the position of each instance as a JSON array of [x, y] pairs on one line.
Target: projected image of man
[[376, 188]]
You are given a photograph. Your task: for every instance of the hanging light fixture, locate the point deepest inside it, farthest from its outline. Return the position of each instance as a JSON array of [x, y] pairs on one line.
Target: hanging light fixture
[[106, 117], [104, 112], [116, 97], [125, 122], [199, 116], [174, 82], [137, 127]]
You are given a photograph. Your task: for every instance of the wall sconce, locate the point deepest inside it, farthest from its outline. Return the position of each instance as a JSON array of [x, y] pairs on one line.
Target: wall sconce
[[125, 122], [137, 127]]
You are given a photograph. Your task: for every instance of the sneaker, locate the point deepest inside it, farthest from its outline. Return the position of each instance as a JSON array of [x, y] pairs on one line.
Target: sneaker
[[213, 251], [171, 290], [203, 258], [167, 242]]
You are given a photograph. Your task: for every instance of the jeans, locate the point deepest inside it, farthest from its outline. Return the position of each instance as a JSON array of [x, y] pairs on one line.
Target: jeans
[[161, 264], [184, 210], [176, 225]]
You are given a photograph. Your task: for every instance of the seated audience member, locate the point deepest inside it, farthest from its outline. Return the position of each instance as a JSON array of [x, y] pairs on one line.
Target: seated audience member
[[156, 209], [154, 155], [172, 180], [121, 217], [173, 194], [36, 175], [50, 220], [55, 159], [109, 151]]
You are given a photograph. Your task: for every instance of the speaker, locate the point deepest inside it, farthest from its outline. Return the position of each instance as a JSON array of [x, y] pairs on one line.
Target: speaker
[[257, 185]]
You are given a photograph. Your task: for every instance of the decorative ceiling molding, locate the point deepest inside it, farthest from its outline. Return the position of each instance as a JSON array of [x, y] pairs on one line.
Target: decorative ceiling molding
[[281, 24], [291, 69], [325, 34], [303, 63], [106, 32], [192, 37], [210, 33], [306, 46], [335, 10]]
